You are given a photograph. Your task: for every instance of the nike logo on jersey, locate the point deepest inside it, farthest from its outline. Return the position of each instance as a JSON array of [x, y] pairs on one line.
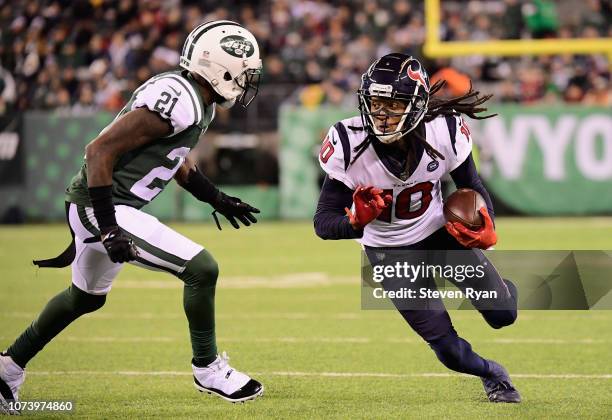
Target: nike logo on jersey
[[334, 141], [176, 92]]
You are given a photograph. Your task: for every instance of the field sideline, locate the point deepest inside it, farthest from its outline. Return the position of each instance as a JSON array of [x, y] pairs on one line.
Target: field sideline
[[289, 312]]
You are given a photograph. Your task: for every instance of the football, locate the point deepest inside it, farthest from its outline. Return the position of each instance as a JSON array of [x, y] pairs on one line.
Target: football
[[462, 206]]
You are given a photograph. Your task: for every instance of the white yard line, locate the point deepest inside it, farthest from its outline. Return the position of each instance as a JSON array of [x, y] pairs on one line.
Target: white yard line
[[364, 315], [314, 279], [321, 374], [180, 315], [548, 341], [340, 340]]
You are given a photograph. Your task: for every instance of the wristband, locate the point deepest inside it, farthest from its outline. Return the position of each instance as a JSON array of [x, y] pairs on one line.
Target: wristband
[[201, 187], [102, 203]]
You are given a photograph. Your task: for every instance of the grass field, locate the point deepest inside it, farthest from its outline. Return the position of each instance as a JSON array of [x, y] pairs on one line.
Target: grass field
[[289, 313]]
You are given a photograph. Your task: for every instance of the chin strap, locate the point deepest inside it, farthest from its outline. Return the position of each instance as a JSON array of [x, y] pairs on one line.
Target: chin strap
[[227, 104]]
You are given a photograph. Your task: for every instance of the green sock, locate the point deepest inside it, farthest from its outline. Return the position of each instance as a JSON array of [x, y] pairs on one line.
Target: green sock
[[59, 312], [200, 277]]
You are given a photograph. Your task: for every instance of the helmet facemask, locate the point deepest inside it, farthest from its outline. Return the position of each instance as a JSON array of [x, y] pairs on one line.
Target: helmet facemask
[[249, 83], [409, 117], [244, 88]]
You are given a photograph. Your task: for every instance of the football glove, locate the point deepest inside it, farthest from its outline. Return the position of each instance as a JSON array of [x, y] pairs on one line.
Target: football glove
[[368, 204], [233, 208], [119, 247], [483, 238]]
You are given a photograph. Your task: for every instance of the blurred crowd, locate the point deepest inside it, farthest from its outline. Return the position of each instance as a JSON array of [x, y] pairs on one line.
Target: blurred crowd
[[81, 56]]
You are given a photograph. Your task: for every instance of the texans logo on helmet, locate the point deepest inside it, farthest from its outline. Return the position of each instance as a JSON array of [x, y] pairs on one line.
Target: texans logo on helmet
[[417, 76]]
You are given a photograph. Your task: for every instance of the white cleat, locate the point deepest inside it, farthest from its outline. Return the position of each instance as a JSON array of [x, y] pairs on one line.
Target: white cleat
[[11, 378], [220, 379]]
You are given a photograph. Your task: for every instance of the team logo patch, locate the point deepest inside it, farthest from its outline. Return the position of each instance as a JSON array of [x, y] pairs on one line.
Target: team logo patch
[[433, 165], [418, 76], [238, 46]]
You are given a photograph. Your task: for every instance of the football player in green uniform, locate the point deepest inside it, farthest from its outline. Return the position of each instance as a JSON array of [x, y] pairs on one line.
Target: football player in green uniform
[[127, 166]]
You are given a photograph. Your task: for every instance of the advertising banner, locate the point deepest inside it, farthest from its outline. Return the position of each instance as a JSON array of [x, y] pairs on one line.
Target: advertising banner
[[548, 161]]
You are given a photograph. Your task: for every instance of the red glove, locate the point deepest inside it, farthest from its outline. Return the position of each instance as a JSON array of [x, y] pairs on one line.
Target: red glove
[[483, 238], [368, 205]]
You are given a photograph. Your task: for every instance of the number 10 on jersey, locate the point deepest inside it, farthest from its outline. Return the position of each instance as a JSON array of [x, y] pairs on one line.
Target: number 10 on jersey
[[410, 203]]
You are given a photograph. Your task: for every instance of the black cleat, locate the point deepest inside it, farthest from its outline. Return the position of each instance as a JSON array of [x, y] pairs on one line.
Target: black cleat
[[498, 386], [222, 380], [11, 378], [6, 397], [251, 390]]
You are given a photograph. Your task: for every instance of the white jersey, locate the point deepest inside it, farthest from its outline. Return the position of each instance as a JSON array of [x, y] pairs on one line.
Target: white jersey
[[416, 210]]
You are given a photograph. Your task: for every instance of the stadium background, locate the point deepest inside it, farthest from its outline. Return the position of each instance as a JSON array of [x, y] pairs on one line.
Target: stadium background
[[67, 67]]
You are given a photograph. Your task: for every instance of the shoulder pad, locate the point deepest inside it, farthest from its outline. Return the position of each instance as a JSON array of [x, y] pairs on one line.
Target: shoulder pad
[[173, 98], [335, 154], [460, 140]]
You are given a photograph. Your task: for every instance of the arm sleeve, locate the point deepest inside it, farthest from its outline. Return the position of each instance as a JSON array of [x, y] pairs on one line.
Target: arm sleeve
[[330, 221], [200, 186], [172, 99], [466, 176]]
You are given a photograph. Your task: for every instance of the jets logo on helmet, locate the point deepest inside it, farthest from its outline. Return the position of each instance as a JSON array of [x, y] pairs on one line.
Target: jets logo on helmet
[[226, 55], [237, 46]]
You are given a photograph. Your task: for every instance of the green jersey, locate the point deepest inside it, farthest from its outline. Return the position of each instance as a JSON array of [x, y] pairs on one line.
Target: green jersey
[[141, 174]]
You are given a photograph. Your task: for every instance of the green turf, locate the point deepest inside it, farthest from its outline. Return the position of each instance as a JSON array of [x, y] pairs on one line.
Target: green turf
[[289, 312]]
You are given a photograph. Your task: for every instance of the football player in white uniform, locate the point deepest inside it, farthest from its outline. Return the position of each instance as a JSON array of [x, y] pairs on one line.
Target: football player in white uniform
[[128, 165], [382, 187]]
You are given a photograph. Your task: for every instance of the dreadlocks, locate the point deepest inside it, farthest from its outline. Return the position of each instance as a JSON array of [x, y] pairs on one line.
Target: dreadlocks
[[469, 104]]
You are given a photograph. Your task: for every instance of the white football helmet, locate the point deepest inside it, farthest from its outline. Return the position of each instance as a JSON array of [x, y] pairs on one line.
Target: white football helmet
[[227, 56]]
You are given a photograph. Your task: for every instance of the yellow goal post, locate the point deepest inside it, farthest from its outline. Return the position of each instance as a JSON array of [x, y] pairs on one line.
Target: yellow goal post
[[435, 48]]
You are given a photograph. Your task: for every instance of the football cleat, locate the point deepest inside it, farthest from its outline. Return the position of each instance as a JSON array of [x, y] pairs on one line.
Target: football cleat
[[220, 379], [498, 386], [11, 378]]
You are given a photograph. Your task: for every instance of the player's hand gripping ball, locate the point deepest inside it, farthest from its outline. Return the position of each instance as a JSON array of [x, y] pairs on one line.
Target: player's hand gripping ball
[[368, 203], [468, 220]]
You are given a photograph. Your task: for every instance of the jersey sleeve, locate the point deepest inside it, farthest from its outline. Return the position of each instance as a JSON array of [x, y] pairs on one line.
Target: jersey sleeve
[[460, 145], [333, 160], [173, 99]]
